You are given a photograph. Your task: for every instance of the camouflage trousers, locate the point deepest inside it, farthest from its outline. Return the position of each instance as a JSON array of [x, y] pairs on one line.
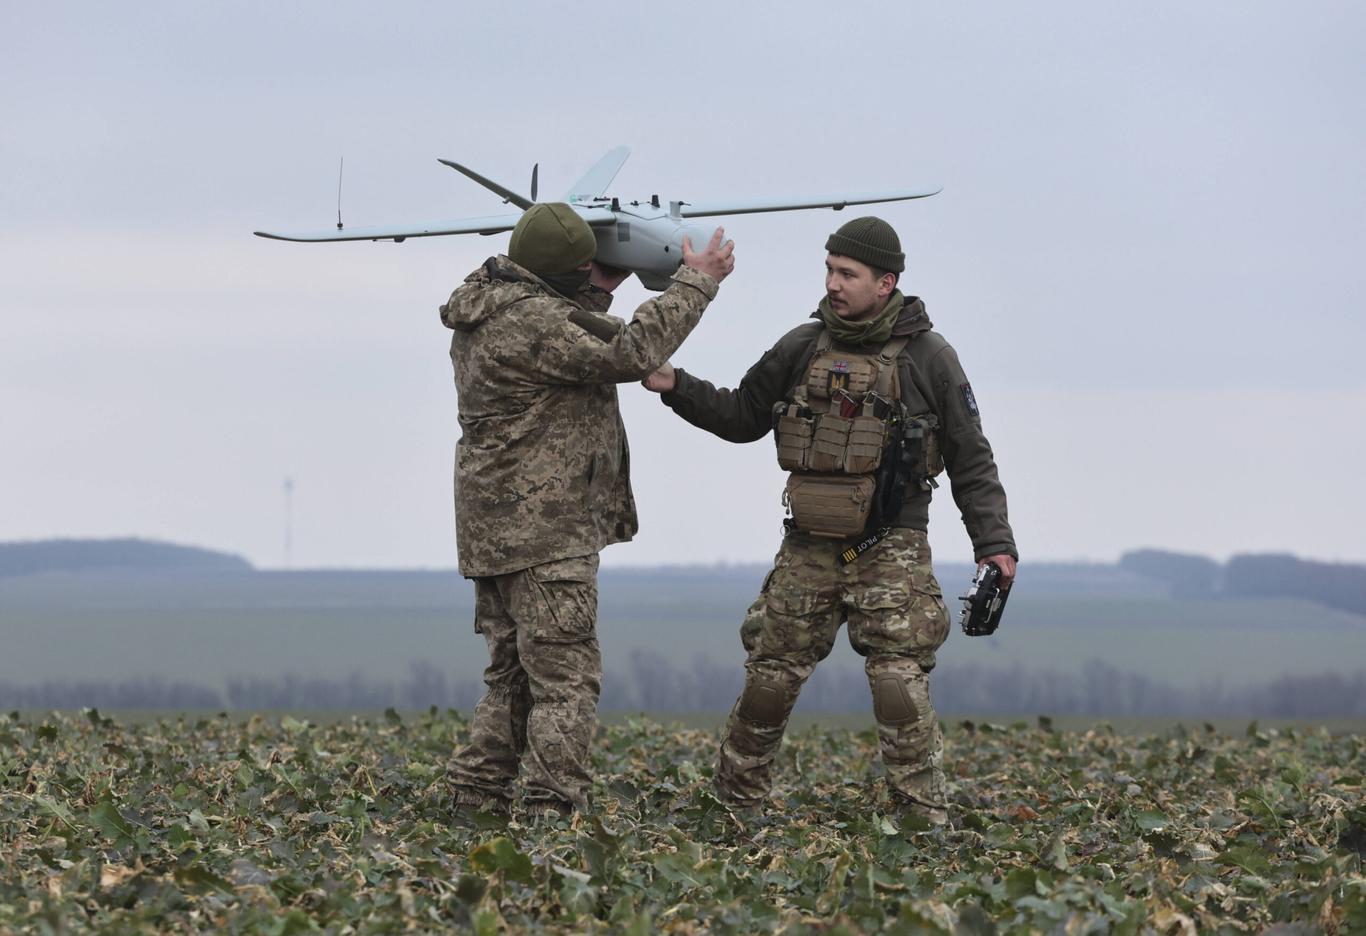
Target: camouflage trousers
[[897, 620], [542, 683]]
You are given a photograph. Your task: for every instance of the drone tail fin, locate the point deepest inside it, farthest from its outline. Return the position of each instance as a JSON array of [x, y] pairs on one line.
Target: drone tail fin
[[507, 194], [596, 180]]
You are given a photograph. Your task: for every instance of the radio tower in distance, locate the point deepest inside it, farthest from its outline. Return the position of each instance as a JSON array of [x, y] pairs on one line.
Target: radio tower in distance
[[289, 520]]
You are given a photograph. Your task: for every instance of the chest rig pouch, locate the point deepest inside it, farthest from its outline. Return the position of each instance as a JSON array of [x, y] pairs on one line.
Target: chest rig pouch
[[848, 442]]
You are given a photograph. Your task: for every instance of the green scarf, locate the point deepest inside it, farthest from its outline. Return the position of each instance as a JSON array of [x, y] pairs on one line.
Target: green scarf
[[872, 332], [568, 283]]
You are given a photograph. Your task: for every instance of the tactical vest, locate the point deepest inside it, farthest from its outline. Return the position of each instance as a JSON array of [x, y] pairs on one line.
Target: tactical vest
[[848, 442]]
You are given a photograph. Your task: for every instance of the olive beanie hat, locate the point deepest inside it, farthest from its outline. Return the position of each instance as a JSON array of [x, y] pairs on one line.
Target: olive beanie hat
[[868, 240], [551, 238]]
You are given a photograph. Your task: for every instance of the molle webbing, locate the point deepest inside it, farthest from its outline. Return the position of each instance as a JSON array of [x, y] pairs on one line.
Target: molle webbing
[[837, 377], [833, 434], [837, 420], [833, 505]]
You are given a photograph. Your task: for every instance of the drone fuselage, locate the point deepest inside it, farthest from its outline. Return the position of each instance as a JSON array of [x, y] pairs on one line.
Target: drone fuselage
[[646, 239]]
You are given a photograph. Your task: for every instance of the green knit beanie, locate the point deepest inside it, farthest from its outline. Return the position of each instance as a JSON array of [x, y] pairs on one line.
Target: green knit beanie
[[550, 238], [871, 241]]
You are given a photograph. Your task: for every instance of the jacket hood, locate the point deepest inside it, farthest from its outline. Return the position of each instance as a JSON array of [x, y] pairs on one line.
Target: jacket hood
[[912, 321], [913, 318], [497, 284]]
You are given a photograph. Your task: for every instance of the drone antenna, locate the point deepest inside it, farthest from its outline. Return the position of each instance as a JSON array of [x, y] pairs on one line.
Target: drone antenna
[[534, 170], [340, 167]]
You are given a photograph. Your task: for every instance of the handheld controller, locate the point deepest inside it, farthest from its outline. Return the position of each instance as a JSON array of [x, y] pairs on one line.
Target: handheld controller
[[984, 603]]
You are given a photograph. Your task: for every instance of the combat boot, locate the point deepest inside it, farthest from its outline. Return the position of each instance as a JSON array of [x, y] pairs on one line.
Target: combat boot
[[476, 812], [743, 819], [549, 813], [912, 816], [751, 818]]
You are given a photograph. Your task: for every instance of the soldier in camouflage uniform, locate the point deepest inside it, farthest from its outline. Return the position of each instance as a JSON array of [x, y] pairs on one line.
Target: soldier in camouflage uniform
[[542, 485], [888, 593]]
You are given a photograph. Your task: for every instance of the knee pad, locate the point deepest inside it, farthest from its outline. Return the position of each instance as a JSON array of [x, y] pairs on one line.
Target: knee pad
[[764, 702], [892, 702]]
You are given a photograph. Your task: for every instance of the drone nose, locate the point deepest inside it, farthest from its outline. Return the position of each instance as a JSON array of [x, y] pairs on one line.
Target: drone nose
[[698, 234]]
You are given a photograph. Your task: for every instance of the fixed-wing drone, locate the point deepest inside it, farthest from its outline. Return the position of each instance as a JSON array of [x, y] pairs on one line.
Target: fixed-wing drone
[[645, 237]]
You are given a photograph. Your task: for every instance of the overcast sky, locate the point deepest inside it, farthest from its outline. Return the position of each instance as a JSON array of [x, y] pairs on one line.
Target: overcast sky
[[1148, 253]]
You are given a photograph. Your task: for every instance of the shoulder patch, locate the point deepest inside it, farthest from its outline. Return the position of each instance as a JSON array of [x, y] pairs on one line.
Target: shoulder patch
[[601, 327], [969, 399]]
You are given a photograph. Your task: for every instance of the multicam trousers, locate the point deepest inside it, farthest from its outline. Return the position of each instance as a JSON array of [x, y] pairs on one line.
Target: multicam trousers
[[542, 685], [897, 620]]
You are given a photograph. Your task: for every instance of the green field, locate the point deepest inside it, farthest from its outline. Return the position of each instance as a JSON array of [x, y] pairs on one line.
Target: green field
[[210, 629], [1183, 642], [257, 825]]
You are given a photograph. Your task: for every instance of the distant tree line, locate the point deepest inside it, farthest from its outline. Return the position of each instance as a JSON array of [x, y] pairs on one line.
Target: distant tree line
[[1338, 585], [113, 555], [1335, 584], [653, 682], [426, 685], [1187, 576], [124, 694], [1096, 689]]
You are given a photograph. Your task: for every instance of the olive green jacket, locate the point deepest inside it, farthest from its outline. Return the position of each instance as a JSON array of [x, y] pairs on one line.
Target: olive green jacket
[[542, 467], [932, 381]]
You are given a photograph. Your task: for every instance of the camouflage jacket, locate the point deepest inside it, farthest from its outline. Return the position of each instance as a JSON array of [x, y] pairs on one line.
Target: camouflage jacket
[[932, 381], [541, 468]]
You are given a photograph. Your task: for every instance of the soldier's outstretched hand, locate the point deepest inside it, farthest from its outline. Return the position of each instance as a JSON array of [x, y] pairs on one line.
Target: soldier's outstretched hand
[[717, 260], [662, 380]]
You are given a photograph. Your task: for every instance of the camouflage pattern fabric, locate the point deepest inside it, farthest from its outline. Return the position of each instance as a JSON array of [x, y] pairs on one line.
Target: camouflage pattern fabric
[[542, 683], [897, 620], [542, 467]]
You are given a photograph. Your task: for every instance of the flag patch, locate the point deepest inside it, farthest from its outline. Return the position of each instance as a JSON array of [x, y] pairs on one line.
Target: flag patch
[[969, 399], [838, 379]]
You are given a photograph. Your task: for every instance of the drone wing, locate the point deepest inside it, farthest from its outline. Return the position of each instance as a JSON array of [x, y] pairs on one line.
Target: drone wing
[[490, 225], [493, 224], [711, 209]]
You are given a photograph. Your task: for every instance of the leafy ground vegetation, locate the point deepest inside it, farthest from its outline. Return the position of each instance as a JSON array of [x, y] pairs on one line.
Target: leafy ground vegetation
[[286, 827]]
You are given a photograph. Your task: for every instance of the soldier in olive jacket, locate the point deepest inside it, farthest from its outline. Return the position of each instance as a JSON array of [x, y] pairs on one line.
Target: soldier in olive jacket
[[888, 593], [542, 485]]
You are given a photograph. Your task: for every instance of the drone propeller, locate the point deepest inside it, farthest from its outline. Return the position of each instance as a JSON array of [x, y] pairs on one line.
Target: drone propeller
[[534, 170]]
